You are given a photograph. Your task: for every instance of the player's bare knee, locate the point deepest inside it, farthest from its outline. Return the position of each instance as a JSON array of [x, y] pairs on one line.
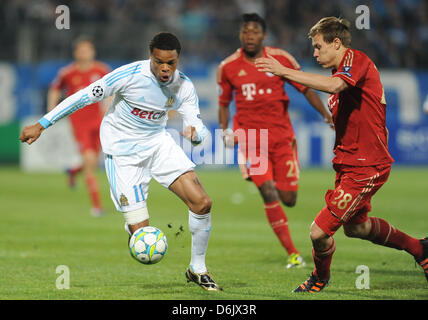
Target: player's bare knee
[[202, 206], [350, 232], [269, 192], [316, 233], [356, 231], [289, 199]]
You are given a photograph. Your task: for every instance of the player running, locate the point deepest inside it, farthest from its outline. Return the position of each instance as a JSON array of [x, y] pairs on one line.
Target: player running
[[138, 148], [362, 161], [262, 103], [85, 122]]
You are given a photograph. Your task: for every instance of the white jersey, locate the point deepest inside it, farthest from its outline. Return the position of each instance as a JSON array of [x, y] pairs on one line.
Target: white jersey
[[139, 111]]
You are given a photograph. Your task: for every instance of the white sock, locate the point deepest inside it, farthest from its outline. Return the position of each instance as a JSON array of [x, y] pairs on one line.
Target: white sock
[[200, 227]]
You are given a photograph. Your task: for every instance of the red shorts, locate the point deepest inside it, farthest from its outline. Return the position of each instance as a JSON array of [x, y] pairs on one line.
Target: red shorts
[[278, 162], [350, 203], [87, 136]]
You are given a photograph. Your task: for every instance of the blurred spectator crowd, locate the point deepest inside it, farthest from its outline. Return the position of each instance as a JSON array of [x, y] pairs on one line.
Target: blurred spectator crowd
[[208, 29]]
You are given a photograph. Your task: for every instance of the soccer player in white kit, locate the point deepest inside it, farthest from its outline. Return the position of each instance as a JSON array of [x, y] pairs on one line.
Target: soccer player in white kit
[[137, 146]]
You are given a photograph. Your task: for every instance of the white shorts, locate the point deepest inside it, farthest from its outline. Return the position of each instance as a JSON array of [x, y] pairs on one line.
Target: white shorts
[[130, 175]]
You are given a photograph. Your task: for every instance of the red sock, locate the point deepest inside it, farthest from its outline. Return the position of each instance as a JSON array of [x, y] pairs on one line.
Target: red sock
[[322, 261], [384, 234], [92, 184], [279, 223]]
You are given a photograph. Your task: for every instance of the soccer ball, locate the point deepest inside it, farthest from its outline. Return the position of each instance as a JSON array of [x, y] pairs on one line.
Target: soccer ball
[[148, 245]]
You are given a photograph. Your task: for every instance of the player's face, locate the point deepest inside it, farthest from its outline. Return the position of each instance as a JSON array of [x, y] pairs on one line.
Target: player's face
[[163, 64], [84, 51], [252, 36], [324, 52]]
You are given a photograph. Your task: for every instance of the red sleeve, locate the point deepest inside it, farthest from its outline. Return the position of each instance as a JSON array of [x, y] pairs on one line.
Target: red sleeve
[[354, 68], [287, 63], [225, 88]]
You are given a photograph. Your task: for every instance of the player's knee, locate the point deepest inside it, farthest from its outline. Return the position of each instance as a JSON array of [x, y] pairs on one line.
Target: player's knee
[[350, 232], [289, 199], [269, 192], [356, 231], [316, 233], [202, 206]]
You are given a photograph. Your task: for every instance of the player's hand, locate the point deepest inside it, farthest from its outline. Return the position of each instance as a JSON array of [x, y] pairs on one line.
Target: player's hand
[[229, 138], [31, 133], [190, 134], [270, 64], [242, 162], [329, 120]]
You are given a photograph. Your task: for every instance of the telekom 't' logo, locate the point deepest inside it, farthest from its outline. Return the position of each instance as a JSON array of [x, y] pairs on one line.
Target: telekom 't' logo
[[249, 90]]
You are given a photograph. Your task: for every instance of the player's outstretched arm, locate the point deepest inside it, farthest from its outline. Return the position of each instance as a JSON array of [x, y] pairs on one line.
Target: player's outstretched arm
[[312, 80], [31, 133]]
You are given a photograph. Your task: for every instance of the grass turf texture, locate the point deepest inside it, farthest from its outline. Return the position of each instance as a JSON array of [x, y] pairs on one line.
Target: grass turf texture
[[44, 224]]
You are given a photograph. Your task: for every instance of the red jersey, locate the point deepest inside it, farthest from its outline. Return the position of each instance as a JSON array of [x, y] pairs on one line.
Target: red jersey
[[260, 98], [71, 79], [359, 113]]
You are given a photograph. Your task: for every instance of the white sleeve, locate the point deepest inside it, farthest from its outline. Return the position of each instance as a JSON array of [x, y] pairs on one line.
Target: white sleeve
[[189, 111], [108, 85]]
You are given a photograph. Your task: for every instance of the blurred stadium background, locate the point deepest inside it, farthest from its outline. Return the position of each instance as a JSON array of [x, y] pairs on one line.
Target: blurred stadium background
[[56, 223], [33, 50]]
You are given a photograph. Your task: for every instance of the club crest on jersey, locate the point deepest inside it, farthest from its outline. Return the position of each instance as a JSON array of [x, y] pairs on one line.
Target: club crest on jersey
[[123, 200], [345, 71], [170, 102]]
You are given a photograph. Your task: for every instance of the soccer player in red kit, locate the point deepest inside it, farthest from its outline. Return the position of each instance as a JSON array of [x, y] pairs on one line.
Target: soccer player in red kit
[[262, 103], [85, 122], [362, 161]]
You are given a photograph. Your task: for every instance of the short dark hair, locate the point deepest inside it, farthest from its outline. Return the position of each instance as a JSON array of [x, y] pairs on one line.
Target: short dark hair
[[165, 41], [254, 17]]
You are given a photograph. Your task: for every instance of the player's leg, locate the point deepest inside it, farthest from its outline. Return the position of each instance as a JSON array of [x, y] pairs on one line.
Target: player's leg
[[90, 166], [189, 189], [375, 229], [129, 184], [88, 140], [72, 173], [285, 171], [324, 226], [276, 215], [173, 169], [381, 232], [288, 198], [323, 247]]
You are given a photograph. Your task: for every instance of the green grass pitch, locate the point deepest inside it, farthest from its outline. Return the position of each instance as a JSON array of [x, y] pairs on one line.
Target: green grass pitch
[[44, 224]]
